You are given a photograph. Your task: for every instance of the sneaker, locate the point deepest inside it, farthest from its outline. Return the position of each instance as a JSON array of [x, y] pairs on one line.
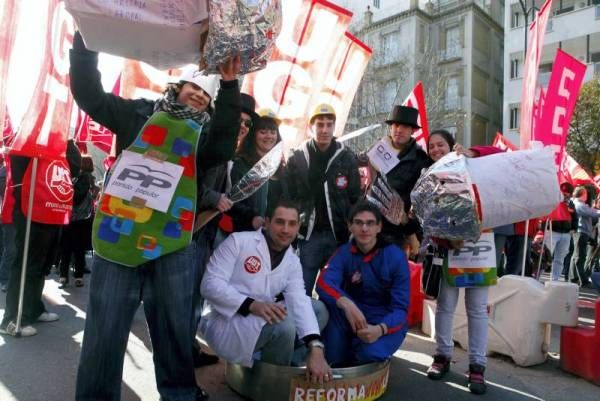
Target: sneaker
[[476, 379], [439, 367], [47, 317], [11, 330]]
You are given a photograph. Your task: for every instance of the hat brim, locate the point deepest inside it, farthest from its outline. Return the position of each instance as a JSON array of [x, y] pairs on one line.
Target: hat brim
[[390, 122]]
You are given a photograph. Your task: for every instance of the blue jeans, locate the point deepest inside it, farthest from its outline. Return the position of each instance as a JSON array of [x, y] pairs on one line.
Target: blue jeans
[[314, 254], [560, 248], [167, 288], [477, 321]]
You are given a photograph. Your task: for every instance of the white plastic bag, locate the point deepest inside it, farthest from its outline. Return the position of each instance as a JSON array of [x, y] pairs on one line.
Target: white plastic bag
[[163, 33]]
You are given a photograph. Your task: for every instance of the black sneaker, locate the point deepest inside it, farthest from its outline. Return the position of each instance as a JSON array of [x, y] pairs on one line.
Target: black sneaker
[[439, 367], [476, 379]]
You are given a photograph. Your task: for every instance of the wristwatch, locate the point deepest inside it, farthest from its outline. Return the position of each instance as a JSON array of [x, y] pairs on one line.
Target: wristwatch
[[316, 344]]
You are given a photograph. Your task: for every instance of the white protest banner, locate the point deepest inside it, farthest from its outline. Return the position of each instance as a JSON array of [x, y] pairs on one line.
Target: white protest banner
[[478, 254], [143, 178], [383, 157]]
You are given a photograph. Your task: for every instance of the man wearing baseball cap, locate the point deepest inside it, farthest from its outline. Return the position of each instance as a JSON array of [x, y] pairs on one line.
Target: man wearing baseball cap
[[323, 176]]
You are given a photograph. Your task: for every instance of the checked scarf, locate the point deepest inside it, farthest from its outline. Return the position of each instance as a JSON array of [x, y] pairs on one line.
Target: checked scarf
[[168, 103]]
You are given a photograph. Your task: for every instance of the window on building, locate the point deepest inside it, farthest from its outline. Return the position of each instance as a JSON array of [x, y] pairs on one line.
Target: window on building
[[452, 98], [453, 46], [515, 19], [514, 118], [514, 68], [390, 47], [390, 89], [376, 3]]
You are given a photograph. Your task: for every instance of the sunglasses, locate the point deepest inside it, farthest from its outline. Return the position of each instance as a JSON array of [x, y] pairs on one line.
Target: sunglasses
[[247, 123]]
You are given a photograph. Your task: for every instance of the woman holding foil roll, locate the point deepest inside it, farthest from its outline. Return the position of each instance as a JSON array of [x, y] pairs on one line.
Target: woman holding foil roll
[[440, 143], [248, 215]]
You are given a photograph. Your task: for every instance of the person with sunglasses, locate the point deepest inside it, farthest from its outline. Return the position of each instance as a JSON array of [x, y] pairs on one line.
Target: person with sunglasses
[[366, 288]]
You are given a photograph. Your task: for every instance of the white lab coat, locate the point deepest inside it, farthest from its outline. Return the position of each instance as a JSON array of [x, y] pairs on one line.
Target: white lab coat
[[231, 276]]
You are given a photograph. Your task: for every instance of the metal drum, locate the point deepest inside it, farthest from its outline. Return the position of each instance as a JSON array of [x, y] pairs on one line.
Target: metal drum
[[267, 382]]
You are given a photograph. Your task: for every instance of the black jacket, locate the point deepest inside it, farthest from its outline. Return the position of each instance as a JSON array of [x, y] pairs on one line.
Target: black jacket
[[125, 117], [341, 186]]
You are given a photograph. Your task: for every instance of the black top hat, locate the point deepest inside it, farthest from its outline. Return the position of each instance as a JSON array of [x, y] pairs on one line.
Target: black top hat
[[404, 115], [248, 104]]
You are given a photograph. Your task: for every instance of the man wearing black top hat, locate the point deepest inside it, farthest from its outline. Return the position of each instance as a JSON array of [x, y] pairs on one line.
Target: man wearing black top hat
[[412, 159], [213, 196]]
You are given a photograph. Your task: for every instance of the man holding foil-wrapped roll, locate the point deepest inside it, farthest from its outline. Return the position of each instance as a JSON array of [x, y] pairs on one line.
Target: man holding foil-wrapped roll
[[142, 233], [402, 171], [323, 176]]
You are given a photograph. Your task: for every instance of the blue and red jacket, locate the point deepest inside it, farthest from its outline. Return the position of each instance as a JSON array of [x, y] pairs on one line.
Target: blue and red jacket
[[377, 282]]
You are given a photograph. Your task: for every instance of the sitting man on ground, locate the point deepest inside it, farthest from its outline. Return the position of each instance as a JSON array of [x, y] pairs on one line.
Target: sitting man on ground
[[257, 302], [366, 288]]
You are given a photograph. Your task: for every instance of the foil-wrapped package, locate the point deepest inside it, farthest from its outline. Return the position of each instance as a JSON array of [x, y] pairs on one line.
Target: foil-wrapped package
[[387, 200], [444, 201], [245, 27], [258, 175]]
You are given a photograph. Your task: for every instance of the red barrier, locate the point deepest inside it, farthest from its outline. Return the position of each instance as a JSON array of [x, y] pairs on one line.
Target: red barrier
[[580, 349], [415, 306]]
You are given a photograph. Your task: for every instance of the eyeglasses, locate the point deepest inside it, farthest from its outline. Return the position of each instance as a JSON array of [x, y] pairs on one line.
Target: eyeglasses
[[247, 123], [368, 223]]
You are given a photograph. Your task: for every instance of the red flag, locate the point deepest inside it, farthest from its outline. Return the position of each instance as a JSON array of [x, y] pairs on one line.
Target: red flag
[[9, 13], [90, 131], [572, 172], [416, 99], [597, 181], [304, 52], [45, 126], [561, 97], [7, 130], [501, 142], [530, 72]]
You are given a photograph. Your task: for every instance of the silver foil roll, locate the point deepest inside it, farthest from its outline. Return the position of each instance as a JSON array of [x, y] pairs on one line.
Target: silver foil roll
[[444, 201], [258, 175], [245, 27]]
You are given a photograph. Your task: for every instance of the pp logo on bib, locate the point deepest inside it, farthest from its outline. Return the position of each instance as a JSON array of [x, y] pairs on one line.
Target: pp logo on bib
[[252, 264]]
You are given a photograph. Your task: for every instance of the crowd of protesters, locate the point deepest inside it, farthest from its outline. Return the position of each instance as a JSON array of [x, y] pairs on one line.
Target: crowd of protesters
[[305, 257]]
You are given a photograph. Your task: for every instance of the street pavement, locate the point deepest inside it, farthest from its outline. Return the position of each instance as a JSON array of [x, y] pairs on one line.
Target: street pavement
[[43, 367]]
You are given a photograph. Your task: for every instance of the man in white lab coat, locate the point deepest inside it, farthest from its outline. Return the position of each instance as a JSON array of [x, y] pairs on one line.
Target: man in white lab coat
[[257, 302]]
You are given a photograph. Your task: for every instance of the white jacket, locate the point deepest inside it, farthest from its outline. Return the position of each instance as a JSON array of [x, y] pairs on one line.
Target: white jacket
[[239, 268]]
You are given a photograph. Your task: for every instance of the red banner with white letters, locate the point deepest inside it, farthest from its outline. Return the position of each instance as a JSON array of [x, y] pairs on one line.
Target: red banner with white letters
[[572, 172], [501, 142], [416, 99], [8, 20], [44, 129], [304, 53], [53, 200], [537, 29], [559, 102]]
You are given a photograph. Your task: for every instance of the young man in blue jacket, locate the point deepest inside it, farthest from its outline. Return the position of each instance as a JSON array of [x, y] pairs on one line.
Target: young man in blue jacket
[[366, 288]]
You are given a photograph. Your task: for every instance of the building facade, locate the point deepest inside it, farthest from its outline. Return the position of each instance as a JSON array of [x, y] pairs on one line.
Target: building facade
[[455, 47], [573, 26]]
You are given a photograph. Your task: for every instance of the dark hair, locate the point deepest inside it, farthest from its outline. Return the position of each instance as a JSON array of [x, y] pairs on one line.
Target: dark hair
[[446, 136], [285, 203], [247, 149], [176, 86], [364, 206]]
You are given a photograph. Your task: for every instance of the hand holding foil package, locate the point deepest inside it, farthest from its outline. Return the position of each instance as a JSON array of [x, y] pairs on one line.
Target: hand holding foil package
[[258, 175], [444, 202], [245, 27]]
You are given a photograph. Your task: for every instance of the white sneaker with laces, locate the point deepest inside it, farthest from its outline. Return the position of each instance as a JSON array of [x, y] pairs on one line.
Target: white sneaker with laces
[[11, 329], [46, 317]]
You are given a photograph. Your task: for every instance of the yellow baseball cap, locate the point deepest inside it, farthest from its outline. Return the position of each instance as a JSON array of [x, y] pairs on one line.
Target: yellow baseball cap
[[322, 109], [268, 113]]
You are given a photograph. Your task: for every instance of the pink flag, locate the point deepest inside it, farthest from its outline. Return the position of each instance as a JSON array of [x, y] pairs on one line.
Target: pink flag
[[304, 52], [416, 99], [342, 80], [8, 19], [87, 130], [501, 142], [45, 126], [561, 97], [530, 73]]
